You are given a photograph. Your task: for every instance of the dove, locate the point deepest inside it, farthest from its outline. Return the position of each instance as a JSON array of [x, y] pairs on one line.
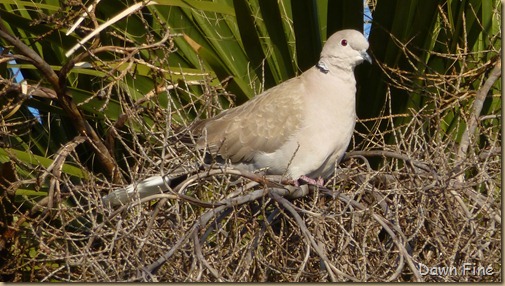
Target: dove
[[300, 128]]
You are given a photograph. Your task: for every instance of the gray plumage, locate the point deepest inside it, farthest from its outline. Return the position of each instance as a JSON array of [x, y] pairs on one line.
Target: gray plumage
[[300, 127]]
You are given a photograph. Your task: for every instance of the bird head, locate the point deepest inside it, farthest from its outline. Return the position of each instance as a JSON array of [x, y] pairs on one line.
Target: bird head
[[345, 49]]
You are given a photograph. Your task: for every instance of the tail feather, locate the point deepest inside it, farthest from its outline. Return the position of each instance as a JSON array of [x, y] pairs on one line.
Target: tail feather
[[148, 187]]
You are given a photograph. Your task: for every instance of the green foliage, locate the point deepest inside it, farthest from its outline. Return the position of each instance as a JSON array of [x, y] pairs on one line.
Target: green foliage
[[195, 58], [436, 56]]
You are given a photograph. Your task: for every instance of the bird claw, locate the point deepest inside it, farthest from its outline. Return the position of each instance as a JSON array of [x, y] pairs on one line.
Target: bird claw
[[319, 182]]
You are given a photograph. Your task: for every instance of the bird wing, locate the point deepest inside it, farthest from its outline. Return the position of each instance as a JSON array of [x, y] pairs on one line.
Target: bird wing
[[262, 124]]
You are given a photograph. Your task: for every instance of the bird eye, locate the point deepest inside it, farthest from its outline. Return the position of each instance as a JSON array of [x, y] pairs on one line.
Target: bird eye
[[343, 42]]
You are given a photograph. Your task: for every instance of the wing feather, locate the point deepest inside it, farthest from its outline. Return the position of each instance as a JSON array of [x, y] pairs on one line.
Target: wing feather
[[262, 124]]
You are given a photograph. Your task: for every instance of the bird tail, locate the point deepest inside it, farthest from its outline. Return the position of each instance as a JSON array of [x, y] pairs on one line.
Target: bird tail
[[145, 188]]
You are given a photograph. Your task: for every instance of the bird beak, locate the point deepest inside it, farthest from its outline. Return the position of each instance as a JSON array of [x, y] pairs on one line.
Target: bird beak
[[366, 57]]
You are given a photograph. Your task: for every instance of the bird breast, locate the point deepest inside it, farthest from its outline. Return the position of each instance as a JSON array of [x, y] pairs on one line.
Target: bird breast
[[328, 124]]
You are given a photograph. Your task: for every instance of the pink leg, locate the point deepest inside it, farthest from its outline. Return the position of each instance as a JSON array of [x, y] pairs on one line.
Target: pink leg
[[319, 182]]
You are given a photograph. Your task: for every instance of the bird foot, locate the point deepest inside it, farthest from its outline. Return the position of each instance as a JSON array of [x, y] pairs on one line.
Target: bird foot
[[319, 182]]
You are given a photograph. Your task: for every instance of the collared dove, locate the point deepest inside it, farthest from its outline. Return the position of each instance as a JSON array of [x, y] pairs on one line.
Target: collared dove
[[299, 128]]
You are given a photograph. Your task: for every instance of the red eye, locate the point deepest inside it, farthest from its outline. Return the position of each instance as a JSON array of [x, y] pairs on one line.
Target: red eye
[[343, 42]]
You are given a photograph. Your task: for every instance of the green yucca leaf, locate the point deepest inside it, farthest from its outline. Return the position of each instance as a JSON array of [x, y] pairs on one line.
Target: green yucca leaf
[[35, 160]]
